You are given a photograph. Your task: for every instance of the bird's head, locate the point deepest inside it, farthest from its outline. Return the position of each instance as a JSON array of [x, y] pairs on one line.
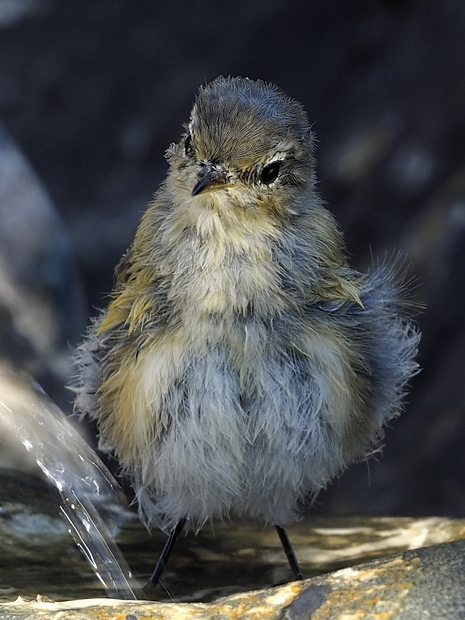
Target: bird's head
[[247, 146]]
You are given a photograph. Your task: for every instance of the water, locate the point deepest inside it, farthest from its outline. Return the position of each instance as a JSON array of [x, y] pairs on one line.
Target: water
[[86, 487]]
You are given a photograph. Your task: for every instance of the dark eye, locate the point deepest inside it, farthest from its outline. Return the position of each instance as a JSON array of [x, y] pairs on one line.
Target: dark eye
[[270, 172], [188, 145]]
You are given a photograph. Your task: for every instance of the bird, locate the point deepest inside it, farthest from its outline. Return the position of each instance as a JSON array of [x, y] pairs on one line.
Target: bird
[[242, 362]]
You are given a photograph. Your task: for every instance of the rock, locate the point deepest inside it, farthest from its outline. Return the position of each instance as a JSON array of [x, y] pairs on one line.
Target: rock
[[41, 299], [424, 583]]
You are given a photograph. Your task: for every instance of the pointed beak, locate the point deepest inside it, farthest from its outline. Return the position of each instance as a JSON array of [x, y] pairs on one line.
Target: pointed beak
[[208, 179]]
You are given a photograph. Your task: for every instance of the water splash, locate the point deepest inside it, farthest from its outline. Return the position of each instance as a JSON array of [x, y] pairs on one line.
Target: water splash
[[86, 486]]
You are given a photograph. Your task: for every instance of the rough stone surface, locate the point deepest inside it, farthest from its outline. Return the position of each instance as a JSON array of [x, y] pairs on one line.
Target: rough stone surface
[[425, 583]]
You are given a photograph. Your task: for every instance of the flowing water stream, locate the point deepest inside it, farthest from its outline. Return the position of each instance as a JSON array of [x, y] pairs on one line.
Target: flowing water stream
[[90, 496]]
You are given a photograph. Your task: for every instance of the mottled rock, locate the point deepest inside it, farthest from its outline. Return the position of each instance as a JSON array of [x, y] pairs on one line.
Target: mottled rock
[[425, 583]]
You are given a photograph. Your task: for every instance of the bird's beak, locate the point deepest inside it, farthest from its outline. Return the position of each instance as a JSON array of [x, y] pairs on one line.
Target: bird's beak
[[208, 179]]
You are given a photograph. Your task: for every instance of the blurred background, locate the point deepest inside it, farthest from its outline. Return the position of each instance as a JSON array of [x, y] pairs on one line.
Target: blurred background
[[91, 95]]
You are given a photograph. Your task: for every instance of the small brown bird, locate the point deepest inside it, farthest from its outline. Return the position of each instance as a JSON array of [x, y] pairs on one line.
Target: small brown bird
[[242, 363]]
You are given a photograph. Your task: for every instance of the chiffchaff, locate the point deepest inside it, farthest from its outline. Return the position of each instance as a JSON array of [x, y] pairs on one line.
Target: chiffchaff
[[241, 362]]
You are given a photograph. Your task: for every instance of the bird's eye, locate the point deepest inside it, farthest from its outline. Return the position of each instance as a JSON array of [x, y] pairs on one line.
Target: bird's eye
[[270, 172], [188, 145]]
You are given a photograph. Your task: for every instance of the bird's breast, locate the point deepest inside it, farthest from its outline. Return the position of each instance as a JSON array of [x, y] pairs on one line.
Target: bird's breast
[[227, 267]]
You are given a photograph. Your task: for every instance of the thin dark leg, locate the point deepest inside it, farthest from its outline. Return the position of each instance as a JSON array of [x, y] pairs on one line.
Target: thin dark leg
[[289, 551], [165, 554]]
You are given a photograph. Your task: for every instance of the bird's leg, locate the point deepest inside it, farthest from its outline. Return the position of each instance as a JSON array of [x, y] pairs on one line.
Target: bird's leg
[[165, 554], [289, 551]]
